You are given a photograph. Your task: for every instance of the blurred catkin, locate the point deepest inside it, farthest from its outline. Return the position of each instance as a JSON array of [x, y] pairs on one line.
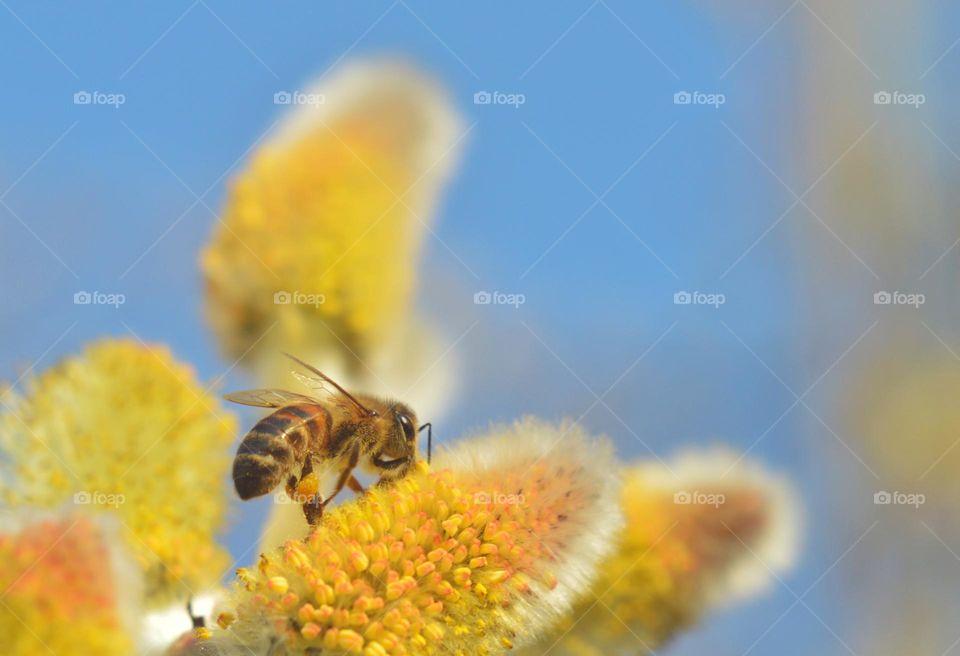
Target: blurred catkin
[[703, 530], [904, 411], [125, 429], [318, 246], [66, 587]]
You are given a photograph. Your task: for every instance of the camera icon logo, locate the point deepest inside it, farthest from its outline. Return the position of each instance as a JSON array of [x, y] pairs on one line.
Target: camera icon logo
[[882, 98], [82, 298], [682, 98], [282, 298], [682, 298], [282, 98], [481, 498], [682, 498], [482, 98], [482, 298], [882, 498], [882, 298], [82, 98], [81, 498]]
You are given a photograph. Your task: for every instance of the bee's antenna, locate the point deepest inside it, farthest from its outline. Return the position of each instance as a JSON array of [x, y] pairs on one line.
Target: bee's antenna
[[429, 428]]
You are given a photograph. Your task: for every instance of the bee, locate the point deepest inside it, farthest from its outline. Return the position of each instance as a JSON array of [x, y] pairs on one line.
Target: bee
[[305, 433]]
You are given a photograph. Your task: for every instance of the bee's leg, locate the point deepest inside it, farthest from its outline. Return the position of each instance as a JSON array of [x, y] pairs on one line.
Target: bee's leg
[[293, 483], [354, 484], [307, 492], [313, 510], [346, 474], [307, 467]]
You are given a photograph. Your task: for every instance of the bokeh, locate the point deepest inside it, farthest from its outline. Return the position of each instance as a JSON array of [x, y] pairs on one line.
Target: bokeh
[[676, 223]]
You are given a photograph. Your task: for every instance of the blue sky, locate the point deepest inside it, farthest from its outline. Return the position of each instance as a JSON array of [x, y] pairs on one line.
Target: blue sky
[[598, 199]]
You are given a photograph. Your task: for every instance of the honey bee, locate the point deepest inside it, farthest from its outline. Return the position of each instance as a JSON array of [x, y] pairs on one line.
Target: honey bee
[[305, 433]]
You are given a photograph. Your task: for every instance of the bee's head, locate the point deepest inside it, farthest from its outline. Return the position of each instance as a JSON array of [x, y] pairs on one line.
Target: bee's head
[[397, 448]]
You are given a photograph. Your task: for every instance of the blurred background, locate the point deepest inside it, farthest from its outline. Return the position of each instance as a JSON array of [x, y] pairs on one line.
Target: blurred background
[[721, 222]]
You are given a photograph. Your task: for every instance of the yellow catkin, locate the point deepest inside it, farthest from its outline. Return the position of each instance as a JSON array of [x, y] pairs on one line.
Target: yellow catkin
[[319, 238], [314, 240], [678, 544], [460, 561], [908, 392], [61, 591], [125, 429]]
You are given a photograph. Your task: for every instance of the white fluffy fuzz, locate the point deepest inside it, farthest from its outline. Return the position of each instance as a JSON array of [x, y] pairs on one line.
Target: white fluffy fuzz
[[161, 628], [579, 475], [397, 99], [774, 547]]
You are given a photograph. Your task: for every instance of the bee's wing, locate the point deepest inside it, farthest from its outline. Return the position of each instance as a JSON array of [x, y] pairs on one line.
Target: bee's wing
[[321, 382], [268, 398], [319, 386]]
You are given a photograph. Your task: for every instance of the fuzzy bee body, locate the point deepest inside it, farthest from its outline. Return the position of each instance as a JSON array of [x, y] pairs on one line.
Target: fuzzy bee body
[[303, 432], [277, 444]]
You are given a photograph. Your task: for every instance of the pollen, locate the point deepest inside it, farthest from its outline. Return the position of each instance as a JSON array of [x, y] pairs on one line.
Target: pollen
[[308, 486], [65, 590], [450, 570], [321, 230], [699, 531], [126, 430]]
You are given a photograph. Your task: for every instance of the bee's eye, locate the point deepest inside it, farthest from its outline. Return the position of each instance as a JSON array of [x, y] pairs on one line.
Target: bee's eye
[[407, 426]]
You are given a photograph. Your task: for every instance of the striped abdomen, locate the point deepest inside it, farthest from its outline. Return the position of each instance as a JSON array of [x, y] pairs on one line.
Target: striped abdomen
[[276, 446]]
